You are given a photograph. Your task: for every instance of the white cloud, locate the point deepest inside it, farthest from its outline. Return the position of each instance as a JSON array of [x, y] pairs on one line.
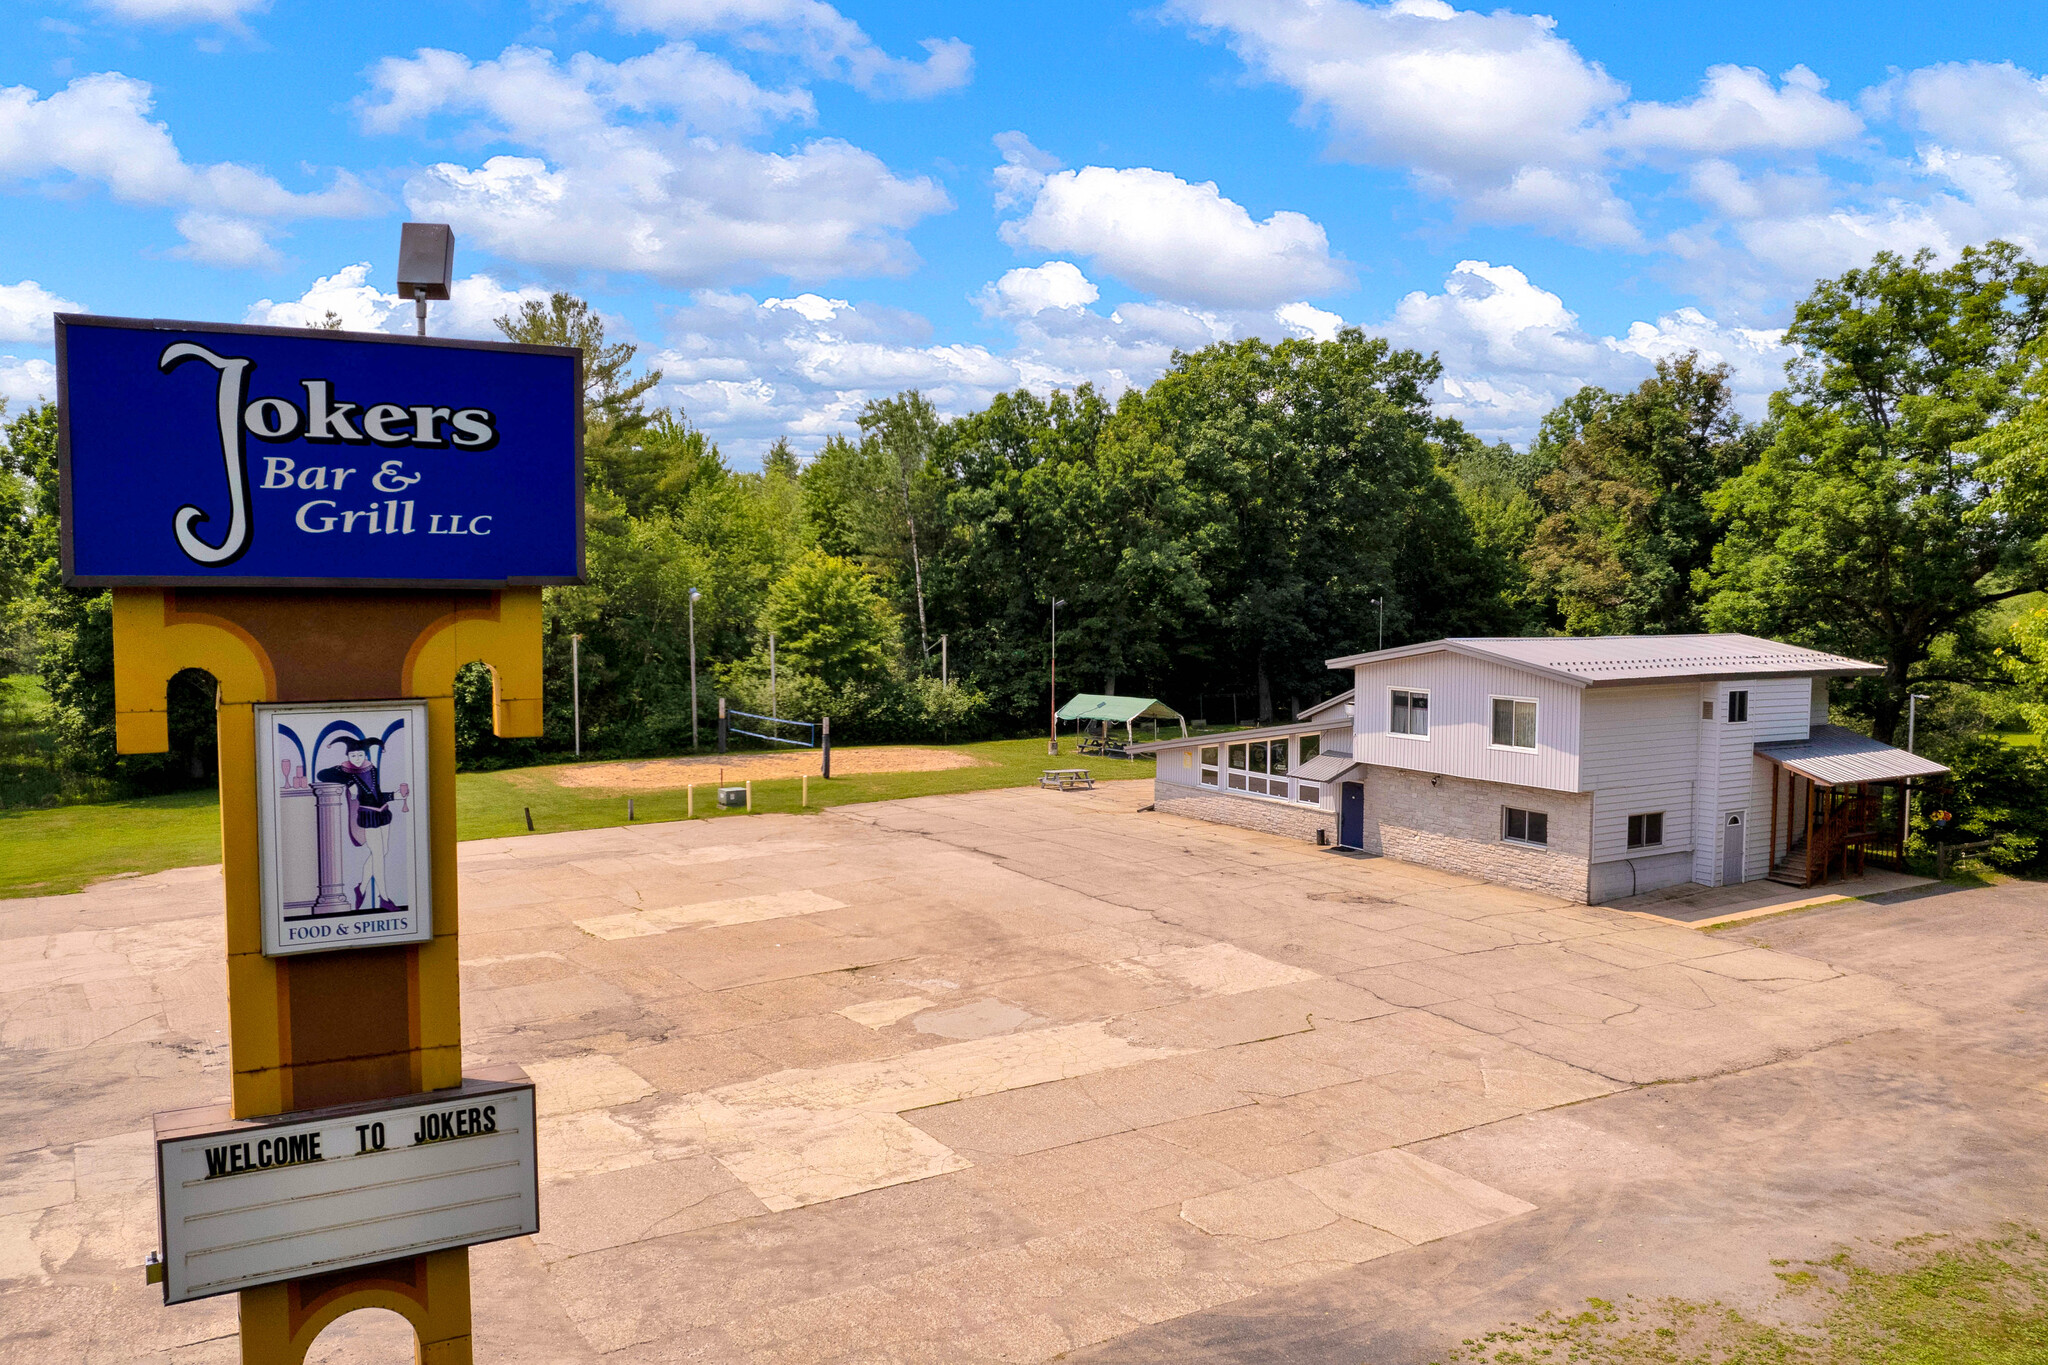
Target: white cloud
[[471, 310], [1494, 110], [524, 93], [25, 311], [97, 130], [1512, 350], [232, 243], [654, 195], [815, 33], [1979, 107], [26, 381], [171, 12], [1029, 290], [1177, 240], [1737, 111], [1308, 322]]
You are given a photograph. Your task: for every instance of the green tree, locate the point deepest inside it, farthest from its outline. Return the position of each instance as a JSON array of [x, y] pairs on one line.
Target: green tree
[[830, 622], [1870, 524], [2026, 659], [902, 431], [1626, 525]]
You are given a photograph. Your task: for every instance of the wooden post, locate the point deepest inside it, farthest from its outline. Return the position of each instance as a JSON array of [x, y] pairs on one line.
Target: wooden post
[[1809, 830], [806, 799], [750, 796], [1771, 858], [690, 801]]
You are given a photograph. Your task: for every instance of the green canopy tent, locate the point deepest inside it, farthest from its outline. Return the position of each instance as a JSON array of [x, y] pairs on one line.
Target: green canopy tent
[[1091, 707]]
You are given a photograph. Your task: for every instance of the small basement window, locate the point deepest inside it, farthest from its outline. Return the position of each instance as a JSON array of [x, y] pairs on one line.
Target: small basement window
[[1411, 713], [1209, 765], [1307, 795], [1646, 831], [1738, 707], [1525, 826], [1514, 723]]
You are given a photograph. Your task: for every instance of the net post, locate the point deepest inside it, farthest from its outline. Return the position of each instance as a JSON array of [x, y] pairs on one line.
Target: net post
[[721, 725], [825, 742]]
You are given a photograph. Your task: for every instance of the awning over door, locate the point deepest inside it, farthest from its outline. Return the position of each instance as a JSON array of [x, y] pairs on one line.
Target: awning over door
[[1325, 767], [1838, 757]]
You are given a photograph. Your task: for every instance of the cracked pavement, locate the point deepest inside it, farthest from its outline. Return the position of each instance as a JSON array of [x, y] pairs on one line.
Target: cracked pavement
[[1019, 1075]]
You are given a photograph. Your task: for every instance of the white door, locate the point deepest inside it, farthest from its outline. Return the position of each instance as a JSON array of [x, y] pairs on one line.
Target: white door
[[1731, 849]]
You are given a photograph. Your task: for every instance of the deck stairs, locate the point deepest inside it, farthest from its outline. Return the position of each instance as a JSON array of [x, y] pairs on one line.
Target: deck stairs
[[1790, 869]]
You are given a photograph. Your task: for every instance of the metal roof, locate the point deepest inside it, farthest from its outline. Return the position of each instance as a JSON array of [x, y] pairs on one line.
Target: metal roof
[[1323, 767], [1311, 712], [1117, 710], [1597, 659], [1837, 757], [1297, 727]]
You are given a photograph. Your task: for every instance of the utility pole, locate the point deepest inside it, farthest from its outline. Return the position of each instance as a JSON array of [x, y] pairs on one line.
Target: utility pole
[[942, 661], [576, 689], [1381, 603], [1052, 741], [694, 595], [773, 712]]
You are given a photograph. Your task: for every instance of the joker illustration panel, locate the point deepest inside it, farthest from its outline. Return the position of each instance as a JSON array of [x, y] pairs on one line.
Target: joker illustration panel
[[345, 835]]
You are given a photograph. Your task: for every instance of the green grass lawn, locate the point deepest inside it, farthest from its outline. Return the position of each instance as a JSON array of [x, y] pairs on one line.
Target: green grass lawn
[[2025, 739], [49, 852]]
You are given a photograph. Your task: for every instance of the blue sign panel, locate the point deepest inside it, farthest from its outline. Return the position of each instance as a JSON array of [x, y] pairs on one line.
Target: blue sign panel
[[269, 457]]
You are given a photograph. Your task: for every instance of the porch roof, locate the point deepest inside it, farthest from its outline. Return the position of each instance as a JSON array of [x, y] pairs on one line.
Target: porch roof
[[1835, 756]]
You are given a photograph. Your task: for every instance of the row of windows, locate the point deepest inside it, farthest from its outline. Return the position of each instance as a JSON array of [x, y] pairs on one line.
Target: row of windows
[[1259, 768], [1514, 718]]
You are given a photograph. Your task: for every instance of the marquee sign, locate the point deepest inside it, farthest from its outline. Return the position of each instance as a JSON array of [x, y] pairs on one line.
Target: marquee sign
[[203, 454], [345, 849], [249, 1203]]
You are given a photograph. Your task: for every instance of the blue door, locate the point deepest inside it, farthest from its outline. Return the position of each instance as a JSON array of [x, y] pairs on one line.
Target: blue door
[[1351, 816]]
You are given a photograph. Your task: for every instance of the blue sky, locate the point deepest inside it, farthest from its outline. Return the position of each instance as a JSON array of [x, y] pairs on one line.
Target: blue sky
[[793, 207]]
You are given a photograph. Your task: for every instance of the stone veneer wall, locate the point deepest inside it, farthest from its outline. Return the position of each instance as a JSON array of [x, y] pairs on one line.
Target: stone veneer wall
[[1292, 820], [1455, 825]]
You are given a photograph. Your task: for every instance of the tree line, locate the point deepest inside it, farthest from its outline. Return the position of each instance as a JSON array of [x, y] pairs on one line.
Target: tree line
[[1258, 508]]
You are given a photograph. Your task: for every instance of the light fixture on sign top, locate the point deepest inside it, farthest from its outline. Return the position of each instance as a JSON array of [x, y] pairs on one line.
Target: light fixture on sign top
[[426, 265]]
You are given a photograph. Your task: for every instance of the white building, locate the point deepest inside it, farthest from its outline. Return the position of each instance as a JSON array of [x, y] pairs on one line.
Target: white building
[[1589, 768]]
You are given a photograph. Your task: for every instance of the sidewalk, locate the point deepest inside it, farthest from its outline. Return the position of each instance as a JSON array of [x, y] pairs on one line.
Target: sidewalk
[[1702, 907]]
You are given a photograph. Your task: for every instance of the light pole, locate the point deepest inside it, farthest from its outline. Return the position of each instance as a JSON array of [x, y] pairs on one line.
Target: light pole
[[773, 710], [426, 265], [1381, 603], [694, 595], [1052, 742], [576, 689]]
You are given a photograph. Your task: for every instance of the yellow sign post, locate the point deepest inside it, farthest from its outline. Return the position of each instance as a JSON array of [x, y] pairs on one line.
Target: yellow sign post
[[353, 1024]]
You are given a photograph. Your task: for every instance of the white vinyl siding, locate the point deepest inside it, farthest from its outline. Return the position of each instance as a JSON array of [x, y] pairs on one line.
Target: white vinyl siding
[[1733, 778], [1641, 754], [1461, 691]]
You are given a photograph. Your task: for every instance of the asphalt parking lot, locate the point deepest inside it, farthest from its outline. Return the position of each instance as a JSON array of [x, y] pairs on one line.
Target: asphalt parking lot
[[1025, 1075]]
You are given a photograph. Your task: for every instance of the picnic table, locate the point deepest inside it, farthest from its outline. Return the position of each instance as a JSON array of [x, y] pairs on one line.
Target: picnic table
[[1066, 779], [1108, 748]]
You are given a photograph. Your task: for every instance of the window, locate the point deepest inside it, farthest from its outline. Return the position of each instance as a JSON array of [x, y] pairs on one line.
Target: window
[[1514, 723], [1237, 766], [1738, 707], [1209, 765], [1646, 831], [1411, 713], [1525, 826], [1311, 745], [1278, 762]]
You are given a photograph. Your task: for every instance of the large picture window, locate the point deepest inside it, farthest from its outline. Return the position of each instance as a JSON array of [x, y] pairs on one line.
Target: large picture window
[[1524, 826], [1410, 713], [1514, 723], [1268, 775]]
